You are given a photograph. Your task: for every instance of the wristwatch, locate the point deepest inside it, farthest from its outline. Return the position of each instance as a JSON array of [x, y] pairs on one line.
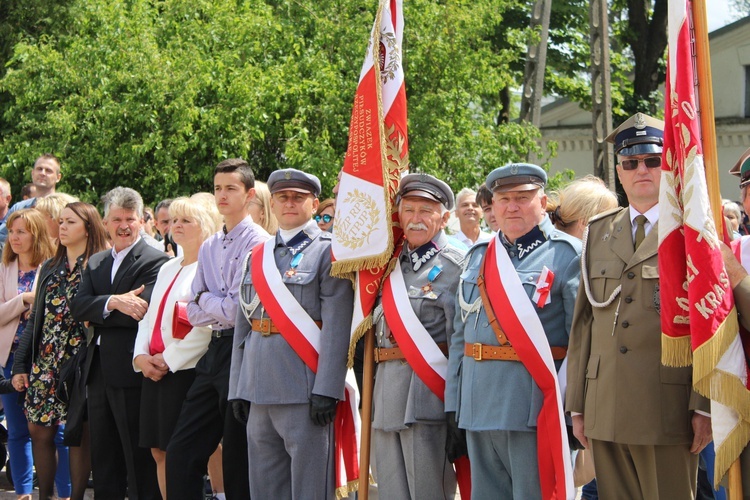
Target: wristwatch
[[198, 296]]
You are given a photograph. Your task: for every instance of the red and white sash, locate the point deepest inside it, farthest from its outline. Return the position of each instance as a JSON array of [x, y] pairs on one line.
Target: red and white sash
[[303, 335], [521, 324], [420, 350]]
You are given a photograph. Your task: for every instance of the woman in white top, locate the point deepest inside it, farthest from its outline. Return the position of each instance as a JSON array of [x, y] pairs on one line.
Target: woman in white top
[[168, 363]]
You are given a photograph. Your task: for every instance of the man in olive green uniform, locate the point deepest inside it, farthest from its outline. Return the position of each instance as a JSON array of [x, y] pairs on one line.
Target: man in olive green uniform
[[644, 423]]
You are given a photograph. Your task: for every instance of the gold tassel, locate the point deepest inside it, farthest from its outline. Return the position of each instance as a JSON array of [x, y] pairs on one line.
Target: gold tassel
[[730, 449], [358, 333], [675, 351]]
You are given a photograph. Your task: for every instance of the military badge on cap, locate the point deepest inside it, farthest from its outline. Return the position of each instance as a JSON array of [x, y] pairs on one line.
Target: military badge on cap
[[639, 134], [742, 168], [290, 179], [428, 187], [517, 177]]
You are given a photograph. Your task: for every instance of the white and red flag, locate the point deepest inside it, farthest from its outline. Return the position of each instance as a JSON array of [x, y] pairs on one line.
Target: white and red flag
[[699, 321], [365, 234]]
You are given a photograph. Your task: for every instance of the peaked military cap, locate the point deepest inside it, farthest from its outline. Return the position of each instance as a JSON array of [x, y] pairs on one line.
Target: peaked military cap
[[742, 169], [516, 177], [291, 179], [428, 187], [638, 135]]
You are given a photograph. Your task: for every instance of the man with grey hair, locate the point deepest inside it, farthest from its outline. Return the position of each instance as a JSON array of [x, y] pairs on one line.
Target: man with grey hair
[[469, 215], [113, 297], [413, 325]]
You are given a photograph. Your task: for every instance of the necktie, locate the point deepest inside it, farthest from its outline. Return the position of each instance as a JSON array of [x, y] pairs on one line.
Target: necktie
[[640, 231]]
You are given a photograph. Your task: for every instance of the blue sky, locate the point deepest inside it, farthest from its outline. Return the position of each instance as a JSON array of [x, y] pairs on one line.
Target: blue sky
[[718, 14]]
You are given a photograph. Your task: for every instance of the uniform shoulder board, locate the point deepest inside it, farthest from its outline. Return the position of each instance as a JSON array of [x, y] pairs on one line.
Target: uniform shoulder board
[[562, 236], [454, 254], [325, 235], [606, 214]]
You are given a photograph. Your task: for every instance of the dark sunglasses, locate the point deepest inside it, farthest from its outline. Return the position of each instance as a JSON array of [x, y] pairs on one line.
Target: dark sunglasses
[[650, 162], [326, 218]]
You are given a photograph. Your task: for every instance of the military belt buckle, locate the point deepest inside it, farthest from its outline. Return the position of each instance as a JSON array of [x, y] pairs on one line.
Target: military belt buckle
[[265, 327], [476, 351]]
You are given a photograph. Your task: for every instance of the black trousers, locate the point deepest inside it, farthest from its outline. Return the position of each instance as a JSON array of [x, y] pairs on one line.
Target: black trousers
[[205, 418], [119, 465]]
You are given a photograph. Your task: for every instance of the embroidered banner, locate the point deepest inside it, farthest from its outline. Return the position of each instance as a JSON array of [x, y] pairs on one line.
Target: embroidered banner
[[364, 235], [699, 322]]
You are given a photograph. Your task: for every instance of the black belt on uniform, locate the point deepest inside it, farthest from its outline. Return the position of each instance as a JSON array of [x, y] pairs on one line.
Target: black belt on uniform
[[227, 332]]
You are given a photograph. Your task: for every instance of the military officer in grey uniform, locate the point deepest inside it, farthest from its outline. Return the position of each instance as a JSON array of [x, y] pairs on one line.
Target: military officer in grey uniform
[[290, 436], [409, 428], [642, 420], [495, 398]]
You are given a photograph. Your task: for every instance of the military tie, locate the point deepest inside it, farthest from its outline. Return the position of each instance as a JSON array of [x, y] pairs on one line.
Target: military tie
[[640, 231]]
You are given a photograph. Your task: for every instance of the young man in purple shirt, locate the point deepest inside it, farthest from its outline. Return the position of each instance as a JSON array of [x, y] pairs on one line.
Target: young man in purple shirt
[[206, 417]]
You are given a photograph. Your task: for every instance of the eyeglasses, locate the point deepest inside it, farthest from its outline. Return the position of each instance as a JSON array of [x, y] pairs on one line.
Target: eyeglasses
[[325, 218], [650, 162]]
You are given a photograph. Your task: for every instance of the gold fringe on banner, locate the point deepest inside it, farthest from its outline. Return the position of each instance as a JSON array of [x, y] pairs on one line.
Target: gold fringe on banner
[[730, 449], [351, 487], [358, 333], [676, 351]]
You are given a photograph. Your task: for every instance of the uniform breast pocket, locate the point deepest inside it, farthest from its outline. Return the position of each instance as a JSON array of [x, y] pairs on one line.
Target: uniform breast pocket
[[529, 279], [299, 283], [604, 277], [650, 284], [424, 302]]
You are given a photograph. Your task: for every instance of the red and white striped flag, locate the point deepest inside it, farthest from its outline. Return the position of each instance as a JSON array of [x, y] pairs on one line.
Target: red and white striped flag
[[699, 321], [364, 234]]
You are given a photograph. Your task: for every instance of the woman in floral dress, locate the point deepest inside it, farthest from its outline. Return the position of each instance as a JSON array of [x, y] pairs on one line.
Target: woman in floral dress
[[52, 338]]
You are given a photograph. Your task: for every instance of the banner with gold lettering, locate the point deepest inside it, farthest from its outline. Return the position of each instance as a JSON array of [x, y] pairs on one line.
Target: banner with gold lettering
[[364, 232], [699, 321]]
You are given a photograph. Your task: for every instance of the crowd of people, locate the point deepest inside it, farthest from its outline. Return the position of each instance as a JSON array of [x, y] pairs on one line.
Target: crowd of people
[[150, 347]]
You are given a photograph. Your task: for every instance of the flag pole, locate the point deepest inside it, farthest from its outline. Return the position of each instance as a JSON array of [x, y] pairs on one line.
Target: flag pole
[[368, 378], [705, 97], [711, 162]]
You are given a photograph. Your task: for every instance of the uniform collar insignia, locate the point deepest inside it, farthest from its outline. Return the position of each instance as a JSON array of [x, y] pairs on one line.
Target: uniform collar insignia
[[529, 242], [298, 243], [423, 254]]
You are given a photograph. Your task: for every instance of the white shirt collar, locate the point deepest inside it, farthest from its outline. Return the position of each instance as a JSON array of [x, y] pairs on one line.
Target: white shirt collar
[[652, 215]]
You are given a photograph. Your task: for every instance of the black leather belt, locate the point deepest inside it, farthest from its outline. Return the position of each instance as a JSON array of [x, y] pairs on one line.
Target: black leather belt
[[217, 334]]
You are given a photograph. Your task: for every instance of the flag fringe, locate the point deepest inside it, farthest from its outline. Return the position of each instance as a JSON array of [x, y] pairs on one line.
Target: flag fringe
[[676, 351], [350, 487], [708, 355], [730, 449], [347, 268], [357, 334]]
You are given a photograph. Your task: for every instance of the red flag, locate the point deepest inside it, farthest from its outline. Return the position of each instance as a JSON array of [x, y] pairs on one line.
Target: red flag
[[364, 234], [699, 322]]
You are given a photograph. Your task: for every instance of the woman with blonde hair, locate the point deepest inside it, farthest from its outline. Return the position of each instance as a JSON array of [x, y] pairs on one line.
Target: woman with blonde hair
[[51, 207], [27, 246], [573, 206], [51, 339], [260, 208], [167, 348]]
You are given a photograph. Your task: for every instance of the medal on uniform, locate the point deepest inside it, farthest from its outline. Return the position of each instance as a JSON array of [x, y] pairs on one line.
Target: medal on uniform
[[431, 276], [293, 266]]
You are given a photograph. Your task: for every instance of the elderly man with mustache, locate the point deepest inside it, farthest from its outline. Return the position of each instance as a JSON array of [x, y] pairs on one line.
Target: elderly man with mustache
[[413, 326]]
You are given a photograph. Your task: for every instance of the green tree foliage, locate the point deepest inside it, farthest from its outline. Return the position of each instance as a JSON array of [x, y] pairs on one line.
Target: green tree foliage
[[153, 93]]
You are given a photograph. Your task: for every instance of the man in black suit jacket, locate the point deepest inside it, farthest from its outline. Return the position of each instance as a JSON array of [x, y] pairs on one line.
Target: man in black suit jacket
[[113, 297]]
